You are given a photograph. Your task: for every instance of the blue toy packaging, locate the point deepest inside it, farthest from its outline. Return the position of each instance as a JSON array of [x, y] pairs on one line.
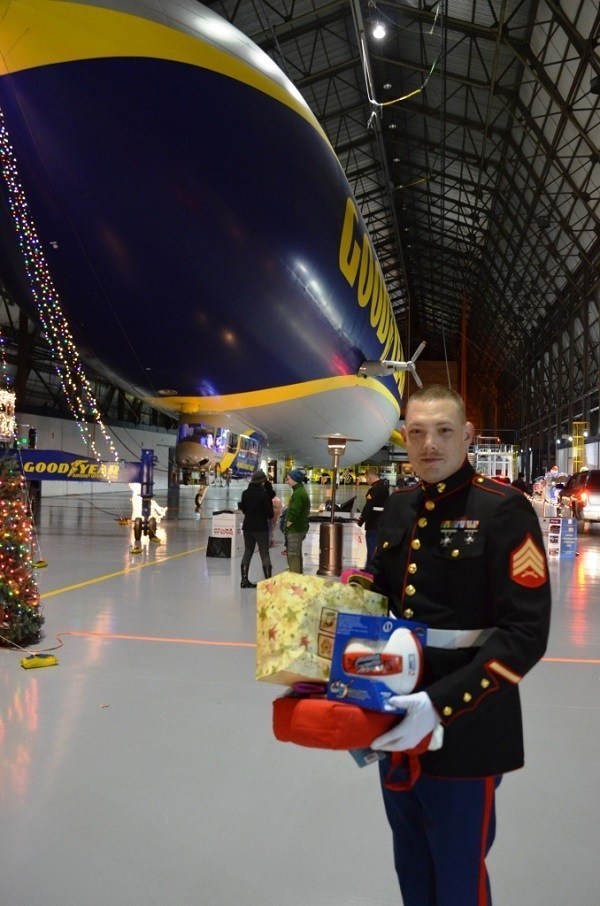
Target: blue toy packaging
[[375, 658]]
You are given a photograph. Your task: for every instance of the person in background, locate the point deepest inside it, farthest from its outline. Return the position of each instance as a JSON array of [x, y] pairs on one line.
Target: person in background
[[550, 491], [277, 511], [521, 485], [296, 525], [268, 486], [198, 500], [377, 495], [257, 506], [465, 556]]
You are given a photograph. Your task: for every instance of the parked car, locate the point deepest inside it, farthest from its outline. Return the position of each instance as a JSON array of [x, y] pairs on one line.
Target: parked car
[[581, 495]]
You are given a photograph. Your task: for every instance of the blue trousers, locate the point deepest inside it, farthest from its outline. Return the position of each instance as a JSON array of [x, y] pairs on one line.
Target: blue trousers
[[442, 830], [371, 540]]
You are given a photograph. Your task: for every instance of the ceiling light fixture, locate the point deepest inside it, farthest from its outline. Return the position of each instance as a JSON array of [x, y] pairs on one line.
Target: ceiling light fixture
[[378, 31]]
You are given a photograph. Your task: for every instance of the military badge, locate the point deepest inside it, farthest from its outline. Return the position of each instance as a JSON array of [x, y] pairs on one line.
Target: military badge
[[528, 564], [449, 526]]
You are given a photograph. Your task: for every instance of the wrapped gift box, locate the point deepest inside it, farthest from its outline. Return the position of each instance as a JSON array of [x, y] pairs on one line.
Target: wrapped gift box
[[296, 622]]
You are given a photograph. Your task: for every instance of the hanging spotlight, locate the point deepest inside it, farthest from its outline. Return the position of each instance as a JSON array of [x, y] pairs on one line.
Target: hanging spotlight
[[378, 31]]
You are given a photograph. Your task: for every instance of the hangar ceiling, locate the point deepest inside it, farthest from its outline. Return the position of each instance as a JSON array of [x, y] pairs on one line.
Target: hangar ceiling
[[470, 136]]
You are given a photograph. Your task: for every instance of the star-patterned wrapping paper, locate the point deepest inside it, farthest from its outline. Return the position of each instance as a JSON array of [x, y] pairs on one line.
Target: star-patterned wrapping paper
[[296, 618]]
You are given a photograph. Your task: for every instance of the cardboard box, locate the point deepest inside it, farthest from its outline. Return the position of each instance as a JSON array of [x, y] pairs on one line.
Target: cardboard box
[[226, 526]]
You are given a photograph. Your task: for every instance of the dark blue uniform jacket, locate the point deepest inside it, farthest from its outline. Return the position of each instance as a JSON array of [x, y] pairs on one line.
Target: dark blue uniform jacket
[[468, 553]]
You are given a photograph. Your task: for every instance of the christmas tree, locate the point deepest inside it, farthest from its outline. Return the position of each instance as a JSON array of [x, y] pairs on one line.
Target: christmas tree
[[21, 616]]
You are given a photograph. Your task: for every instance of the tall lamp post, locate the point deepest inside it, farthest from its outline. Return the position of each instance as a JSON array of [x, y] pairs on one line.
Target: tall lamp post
[[331, 534]]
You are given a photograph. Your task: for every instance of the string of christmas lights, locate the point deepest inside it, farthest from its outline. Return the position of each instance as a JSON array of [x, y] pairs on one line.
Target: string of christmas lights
[[4, 375], [74, 383]]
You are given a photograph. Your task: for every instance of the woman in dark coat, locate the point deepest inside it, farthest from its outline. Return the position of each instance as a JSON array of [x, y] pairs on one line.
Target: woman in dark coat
[[257, 506]]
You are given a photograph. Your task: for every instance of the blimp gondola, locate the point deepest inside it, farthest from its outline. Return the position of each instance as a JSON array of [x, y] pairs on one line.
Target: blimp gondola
[[201, 235]]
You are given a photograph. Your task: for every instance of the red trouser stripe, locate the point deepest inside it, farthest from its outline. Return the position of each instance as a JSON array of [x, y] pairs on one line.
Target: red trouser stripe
[[489, 791]]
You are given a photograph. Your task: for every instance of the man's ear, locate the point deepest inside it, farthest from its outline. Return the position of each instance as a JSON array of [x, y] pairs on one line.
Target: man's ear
[[469, 433], [403, 433]]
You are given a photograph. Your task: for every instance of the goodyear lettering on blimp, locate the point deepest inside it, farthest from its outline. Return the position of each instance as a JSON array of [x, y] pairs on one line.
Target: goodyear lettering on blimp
[[359, 265], [86, 469]]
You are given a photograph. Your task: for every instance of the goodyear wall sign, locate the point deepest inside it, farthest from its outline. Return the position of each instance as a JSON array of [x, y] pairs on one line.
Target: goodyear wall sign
[[55, 465]]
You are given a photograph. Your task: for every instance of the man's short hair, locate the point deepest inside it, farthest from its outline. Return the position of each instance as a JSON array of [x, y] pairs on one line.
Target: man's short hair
[[372, 470], [434, 393]]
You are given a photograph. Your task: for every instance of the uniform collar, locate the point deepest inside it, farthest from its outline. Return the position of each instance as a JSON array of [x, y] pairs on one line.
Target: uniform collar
[[457, 480]]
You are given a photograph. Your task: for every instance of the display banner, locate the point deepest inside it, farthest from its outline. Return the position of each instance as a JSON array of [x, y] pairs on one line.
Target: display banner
[[48, 465], [560, 536]]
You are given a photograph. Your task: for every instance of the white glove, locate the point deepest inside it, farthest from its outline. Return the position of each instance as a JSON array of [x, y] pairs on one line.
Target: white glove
[[421, 718]]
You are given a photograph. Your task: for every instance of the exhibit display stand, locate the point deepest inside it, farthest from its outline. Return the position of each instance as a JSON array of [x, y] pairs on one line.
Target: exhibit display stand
[[226, 538], [560, 536]]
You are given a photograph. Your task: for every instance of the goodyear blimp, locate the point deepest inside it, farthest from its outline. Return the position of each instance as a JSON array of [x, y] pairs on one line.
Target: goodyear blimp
[[200, 232]]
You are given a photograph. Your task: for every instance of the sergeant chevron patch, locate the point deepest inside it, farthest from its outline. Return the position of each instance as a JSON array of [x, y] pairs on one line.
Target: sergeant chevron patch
[[528, 564]]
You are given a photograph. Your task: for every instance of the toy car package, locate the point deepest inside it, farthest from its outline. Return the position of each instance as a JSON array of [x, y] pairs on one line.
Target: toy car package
[[375, 658]]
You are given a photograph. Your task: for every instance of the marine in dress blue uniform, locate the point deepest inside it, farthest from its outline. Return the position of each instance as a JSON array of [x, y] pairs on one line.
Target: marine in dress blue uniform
[[463, 554], [375, 500]]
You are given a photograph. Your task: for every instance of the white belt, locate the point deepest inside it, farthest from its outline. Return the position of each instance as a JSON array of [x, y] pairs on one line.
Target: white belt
[[457, 638]]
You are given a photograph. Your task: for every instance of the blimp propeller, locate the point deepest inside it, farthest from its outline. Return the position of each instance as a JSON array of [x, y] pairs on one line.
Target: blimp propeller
[[387, 366]]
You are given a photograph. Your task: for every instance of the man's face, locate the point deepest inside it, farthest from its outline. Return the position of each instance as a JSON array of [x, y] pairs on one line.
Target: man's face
[[436, 438]]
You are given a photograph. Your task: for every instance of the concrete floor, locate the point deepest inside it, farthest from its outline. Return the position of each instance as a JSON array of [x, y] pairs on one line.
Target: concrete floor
[[143, 770]]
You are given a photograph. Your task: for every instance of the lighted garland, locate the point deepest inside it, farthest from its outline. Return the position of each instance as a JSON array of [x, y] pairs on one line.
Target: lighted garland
[[4, 375], [68, 365]]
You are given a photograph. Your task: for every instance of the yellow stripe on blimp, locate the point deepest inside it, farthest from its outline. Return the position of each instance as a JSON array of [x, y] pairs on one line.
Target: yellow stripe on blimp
[[270, 395], [39, 33]]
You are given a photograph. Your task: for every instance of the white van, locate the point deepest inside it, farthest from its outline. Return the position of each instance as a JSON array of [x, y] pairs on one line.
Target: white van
[[389, 474]]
